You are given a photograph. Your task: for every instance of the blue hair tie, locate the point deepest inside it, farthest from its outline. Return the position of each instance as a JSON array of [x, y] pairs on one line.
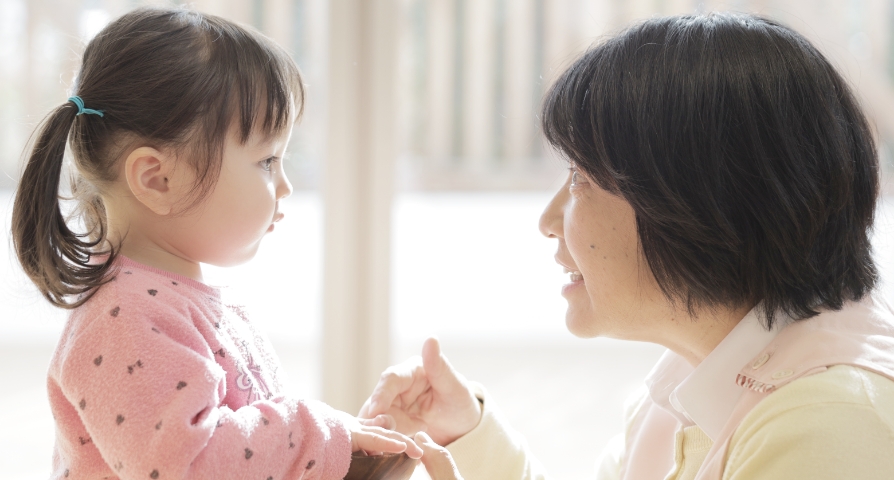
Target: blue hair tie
[[81, 110]]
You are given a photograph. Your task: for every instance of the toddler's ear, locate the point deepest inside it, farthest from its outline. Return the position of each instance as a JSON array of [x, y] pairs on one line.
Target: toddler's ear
[[149, 174]]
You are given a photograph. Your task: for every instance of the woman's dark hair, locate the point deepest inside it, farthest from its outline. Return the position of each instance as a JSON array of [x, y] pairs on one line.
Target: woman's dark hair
[[749, 165], [168, 78]]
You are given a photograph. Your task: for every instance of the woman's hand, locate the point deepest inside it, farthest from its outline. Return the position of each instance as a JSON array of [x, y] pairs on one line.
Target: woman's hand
[[424, 394], [437, 460], [375, 440]]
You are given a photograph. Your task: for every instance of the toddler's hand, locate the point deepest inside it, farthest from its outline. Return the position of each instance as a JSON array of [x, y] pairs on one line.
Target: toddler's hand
[[375, 440]]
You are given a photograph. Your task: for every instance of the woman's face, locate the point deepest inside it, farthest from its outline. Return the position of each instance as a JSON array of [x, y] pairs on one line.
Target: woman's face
[[612, 291]]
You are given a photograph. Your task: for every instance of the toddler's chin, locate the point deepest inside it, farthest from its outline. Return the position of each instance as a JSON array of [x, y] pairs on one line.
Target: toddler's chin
[[234, 260]]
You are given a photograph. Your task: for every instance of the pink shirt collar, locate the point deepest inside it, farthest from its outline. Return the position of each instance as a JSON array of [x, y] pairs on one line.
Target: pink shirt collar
[[706, 395]]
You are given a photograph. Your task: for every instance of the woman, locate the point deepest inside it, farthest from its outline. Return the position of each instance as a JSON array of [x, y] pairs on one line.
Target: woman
[[719, 202]]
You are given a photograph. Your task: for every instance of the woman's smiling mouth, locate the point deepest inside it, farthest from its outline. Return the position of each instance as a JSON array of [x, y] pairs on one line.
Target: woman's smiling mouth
[[576, 276], [577, 279]]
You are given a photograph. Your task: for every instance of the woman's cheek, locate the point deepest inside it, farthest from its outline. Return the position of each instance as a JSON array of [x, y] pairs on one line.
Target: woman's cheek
[[580, 235]]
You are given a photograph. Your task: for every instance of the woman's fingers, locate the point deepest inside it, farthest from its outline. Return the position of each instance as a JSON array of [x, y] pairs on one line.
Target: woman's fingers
[[396, 380], [404, 423], [377, 439], [440, 373], [425, 393], [437, 460], [364, 410], [412, 378], [418, 386]]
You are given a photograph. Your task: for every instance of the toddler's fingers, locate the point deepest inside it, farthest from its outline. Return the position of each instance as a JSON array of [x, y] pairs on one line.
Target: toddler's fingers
[[385, 421], [412, 450], [437, 460], [375, 439], [372, 442]]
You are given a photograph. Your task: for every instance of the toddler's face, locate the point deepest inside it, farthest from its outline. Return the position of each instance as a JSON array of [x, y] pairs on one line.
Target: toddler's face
[[226, 228]]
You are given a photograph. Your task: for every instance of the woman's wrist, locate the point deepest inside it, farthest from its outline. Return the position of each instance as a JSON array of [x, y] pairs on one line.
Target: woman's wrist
[[471, 420]]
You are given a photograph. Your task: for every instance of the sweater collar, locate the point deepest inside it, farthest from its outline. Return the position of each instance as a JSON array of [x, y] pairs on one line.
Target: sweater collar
[[125, 262]]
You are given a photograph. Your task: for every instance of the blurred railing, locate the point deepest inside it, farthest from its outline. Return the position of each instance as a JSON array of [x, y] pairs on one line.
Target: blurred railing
[[471, 72], [474, 74], [41, 42]]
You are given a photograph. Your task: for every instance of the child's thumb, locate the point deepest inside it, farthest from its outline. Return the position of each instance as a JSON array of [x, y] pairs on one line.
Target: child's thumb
[[437, 460]]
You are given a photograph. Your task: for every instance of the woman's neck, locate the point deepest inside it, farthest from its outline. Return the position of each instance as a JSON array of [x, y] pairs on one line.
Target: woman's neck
[[695, 337]]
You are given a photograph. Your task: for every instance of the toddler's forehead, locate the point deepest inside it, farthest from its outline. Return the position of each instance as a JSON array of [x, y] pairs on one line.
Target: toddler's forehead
[[258, 138]]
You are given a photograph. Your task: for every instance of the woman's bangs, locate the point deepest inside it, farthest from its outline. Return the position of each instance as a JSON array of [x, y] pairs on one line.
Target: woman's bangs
[[572, 118]]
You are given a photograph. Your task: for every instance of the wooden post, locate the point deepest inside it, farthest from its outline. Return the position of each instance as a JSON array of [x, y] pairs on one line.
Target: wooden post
[[357, 194], [277, 21], [440, 82], [519, 102], [478, 72]]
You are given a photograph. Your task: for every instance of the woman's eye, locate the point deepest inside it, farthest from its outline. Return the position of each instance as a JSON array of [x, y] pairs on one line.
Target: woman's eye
[[577, 178]]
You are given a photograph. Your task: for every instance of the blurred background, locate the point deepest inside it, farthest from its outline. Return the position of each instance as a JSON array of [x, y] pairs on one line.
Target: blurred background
[[456, 188]]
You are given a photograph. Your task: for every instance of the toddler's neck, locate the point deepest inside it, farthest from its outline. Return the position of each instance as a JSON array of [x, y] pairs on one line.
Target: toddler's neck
[[155, 257]]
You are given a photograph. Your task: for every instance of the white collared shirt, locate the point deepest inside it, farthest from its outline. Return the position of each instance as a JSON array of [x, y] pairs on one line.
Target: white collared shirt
[[706, 395]]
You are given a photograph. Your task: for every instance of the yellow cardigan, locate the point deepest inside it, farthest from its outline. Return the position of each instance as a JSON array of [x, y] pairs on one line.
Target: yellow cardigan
[[837, 424]]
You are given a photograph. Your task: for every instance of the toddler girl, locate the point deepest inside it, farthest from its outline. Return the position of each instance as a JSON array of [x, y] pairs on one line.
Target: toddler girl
[[177, 130]]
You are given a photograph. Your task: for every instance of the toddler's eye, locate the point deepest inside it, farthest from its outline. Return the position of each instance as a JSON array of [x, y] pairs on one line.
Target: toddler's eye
[[267, 163]]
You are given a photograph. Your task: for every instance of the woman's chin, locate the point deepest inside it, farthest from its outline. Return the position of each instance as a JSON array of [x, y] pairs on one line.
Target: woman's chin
[[580, 324]]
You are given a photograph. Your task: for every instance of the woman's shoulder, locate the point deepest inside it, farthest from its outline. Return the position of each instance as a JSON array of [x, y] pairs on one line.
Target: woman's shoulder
[[834, 422], [840, 388]]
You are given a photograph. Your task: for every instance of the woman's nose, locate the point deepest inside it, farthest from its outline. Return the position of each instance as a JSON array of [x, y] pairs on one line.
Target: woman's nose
[[552, 218]]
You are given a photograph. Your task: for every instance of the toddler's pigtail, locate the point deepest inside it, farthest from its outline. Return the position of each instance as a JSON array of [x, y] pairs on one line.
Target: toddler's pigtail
[[56, 258]]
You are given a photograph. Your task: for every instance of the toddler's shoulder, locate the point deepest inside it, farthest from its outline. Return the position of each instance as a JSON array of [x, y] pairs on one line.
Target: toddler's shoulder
[[129, 294], [135, 299], [140, 310], [147, 291]]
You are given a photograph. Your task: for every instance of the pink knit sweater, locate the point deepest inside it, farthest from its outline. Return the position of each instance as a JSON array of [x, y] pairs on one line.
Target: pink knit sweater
[[155, 378]]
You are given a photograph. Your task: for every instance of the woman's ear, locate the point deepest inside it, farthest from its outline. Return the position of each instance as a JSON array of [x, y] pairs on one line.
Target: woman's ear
[[149, 177]]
